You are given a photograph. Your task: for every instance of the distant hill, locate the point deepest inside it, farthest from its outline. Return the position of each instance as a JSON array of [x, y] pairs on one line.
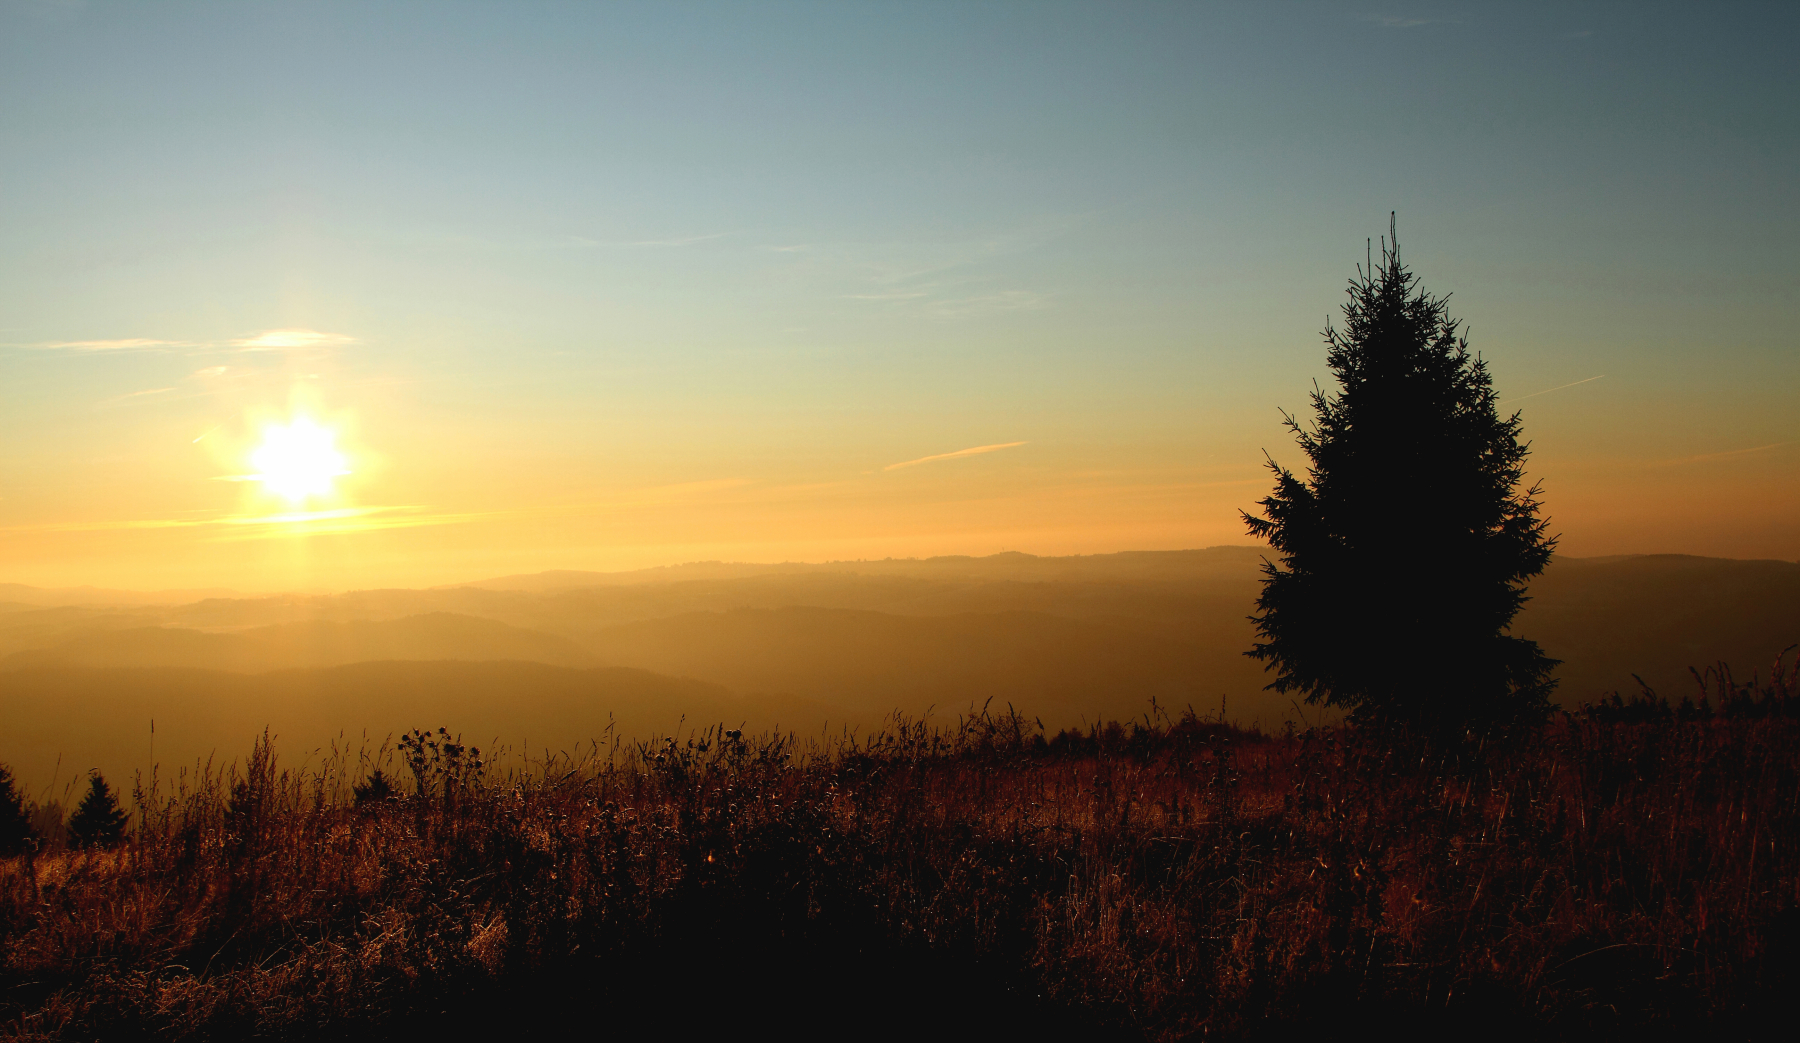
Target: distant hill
[[1658, 614], [311, 643], [1606, 618], [1061, 669], [38, 627], [1009, 565], [570, 579], [61, 722], [1064, 638], [20, 594]]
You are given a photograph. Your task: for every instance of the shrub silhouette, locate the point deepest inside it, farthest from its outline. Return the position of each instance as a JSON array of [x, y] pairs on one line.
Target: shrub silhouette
[[1404, 551], [377, 788], [15, 819], [98, 820], [1160, 879]]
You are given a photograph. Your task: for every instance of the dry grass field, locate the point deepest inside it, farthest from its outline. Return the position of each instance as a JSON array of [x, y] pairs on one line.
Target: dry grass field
[[1616, 873]]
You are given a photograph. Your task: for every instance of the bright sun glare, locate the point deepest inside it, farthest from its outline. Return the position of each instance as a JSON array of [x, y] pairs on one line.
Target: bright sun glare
[[298, 460]]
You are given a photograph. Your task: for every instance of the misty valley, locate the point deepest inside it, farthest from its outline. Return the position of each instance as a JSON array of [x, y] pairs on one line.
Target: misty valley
[[553, 662]]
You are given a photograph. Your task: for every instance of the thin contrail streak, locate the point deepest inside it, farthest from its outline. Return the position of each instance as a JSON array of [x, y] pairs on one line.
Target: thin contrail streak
[[1728, 452], [945, 456], [1546, 391]]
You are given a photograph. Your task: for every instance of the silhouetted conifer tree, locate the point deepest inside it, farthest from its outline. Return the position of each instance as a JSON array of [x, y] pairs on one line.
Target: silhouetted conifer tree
[[15, 818], [98, 820], [1403, 554], [376, 789]]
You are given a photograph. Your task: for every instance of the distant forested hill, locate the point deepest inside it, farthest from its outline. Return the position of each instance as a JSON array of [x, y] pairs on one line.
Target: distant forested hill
[[1658, 614], [61, 722], [1066, 639], [303, 643]]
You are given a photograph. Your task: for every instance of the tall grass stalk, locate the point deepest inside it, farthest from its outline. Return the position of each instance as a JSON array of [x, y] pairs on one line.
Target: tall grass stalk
[[1168, 879]]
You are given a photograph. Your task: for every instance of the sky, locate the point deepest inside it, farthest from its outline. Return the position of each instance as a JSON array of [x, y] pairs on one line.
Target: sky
[[603, 286]]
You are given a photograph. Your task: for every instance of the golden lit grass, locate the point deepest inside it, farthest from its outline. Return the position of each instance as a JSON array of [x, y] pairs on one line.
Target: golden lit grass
[[1160, 881]]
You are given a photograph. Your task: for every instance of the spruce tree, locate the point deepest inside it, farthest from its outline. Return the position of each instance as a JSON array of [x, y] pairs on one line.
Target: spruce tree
[[15, 819], [98, 820], [376, 789], [1402, 555]]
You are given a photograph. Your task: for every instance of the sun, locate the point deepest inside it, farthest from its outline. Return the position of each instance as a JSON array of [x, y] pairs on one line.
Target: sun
[[298, 460]]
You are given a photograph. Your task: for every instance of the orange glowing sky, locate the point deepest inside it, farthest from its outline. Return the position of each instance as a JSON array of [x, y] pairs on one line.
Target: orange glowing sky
[[500, 289]]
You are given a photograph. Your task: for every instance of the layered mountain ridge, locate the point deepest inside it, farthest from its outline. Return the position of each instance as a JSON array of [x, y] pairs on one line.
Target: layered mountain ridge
[[1066, 640]]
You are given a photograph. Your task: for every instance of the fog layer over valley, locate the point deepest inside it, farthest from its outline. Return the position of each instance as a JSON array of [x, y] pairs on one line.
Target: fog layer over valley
[[552, 659]]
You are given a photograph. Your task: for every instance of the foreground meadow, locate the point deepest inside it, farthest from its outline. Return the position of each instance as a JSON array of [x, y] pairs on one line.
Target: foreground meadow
[[1610, 874]]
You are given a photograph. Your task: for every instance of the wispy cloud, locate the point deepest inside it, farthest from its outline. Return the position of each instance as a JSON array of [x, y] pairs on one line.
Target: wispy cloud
[[1005, 300], [257, 477], [267, 340], [291, 339], [930, 298], [974, 451], [1546, 391], [202, 523], [942, 277], [656, 495], [1727, 454], [263, 526], [570, 241], [1395, 21], [140, 394], [344, 521], [299, 517], [122, 344], [687, 240], [680, 490]]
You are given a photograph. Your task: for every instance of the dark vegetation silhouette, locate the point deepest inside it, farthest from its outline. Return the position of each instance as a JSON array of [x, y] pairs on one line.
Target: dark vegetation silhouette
[[1168, 878], [1722, 696], [98, 820], [1408, 461], [374, 789], [16, 830]]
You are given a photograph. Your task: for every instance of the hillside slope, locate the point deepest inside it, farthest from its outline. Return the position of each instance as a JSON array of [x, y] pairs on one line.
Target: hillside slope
[[1065, 639], [309, 643], [1656, 615], [61, 722], [1064, 670]]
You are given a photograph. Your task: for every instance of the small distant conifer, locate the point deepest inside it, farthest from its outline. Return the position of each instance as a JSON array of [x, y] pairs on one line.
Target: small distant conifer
[[377, 788], [1403, 552], [98, 821], [16, 833]]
